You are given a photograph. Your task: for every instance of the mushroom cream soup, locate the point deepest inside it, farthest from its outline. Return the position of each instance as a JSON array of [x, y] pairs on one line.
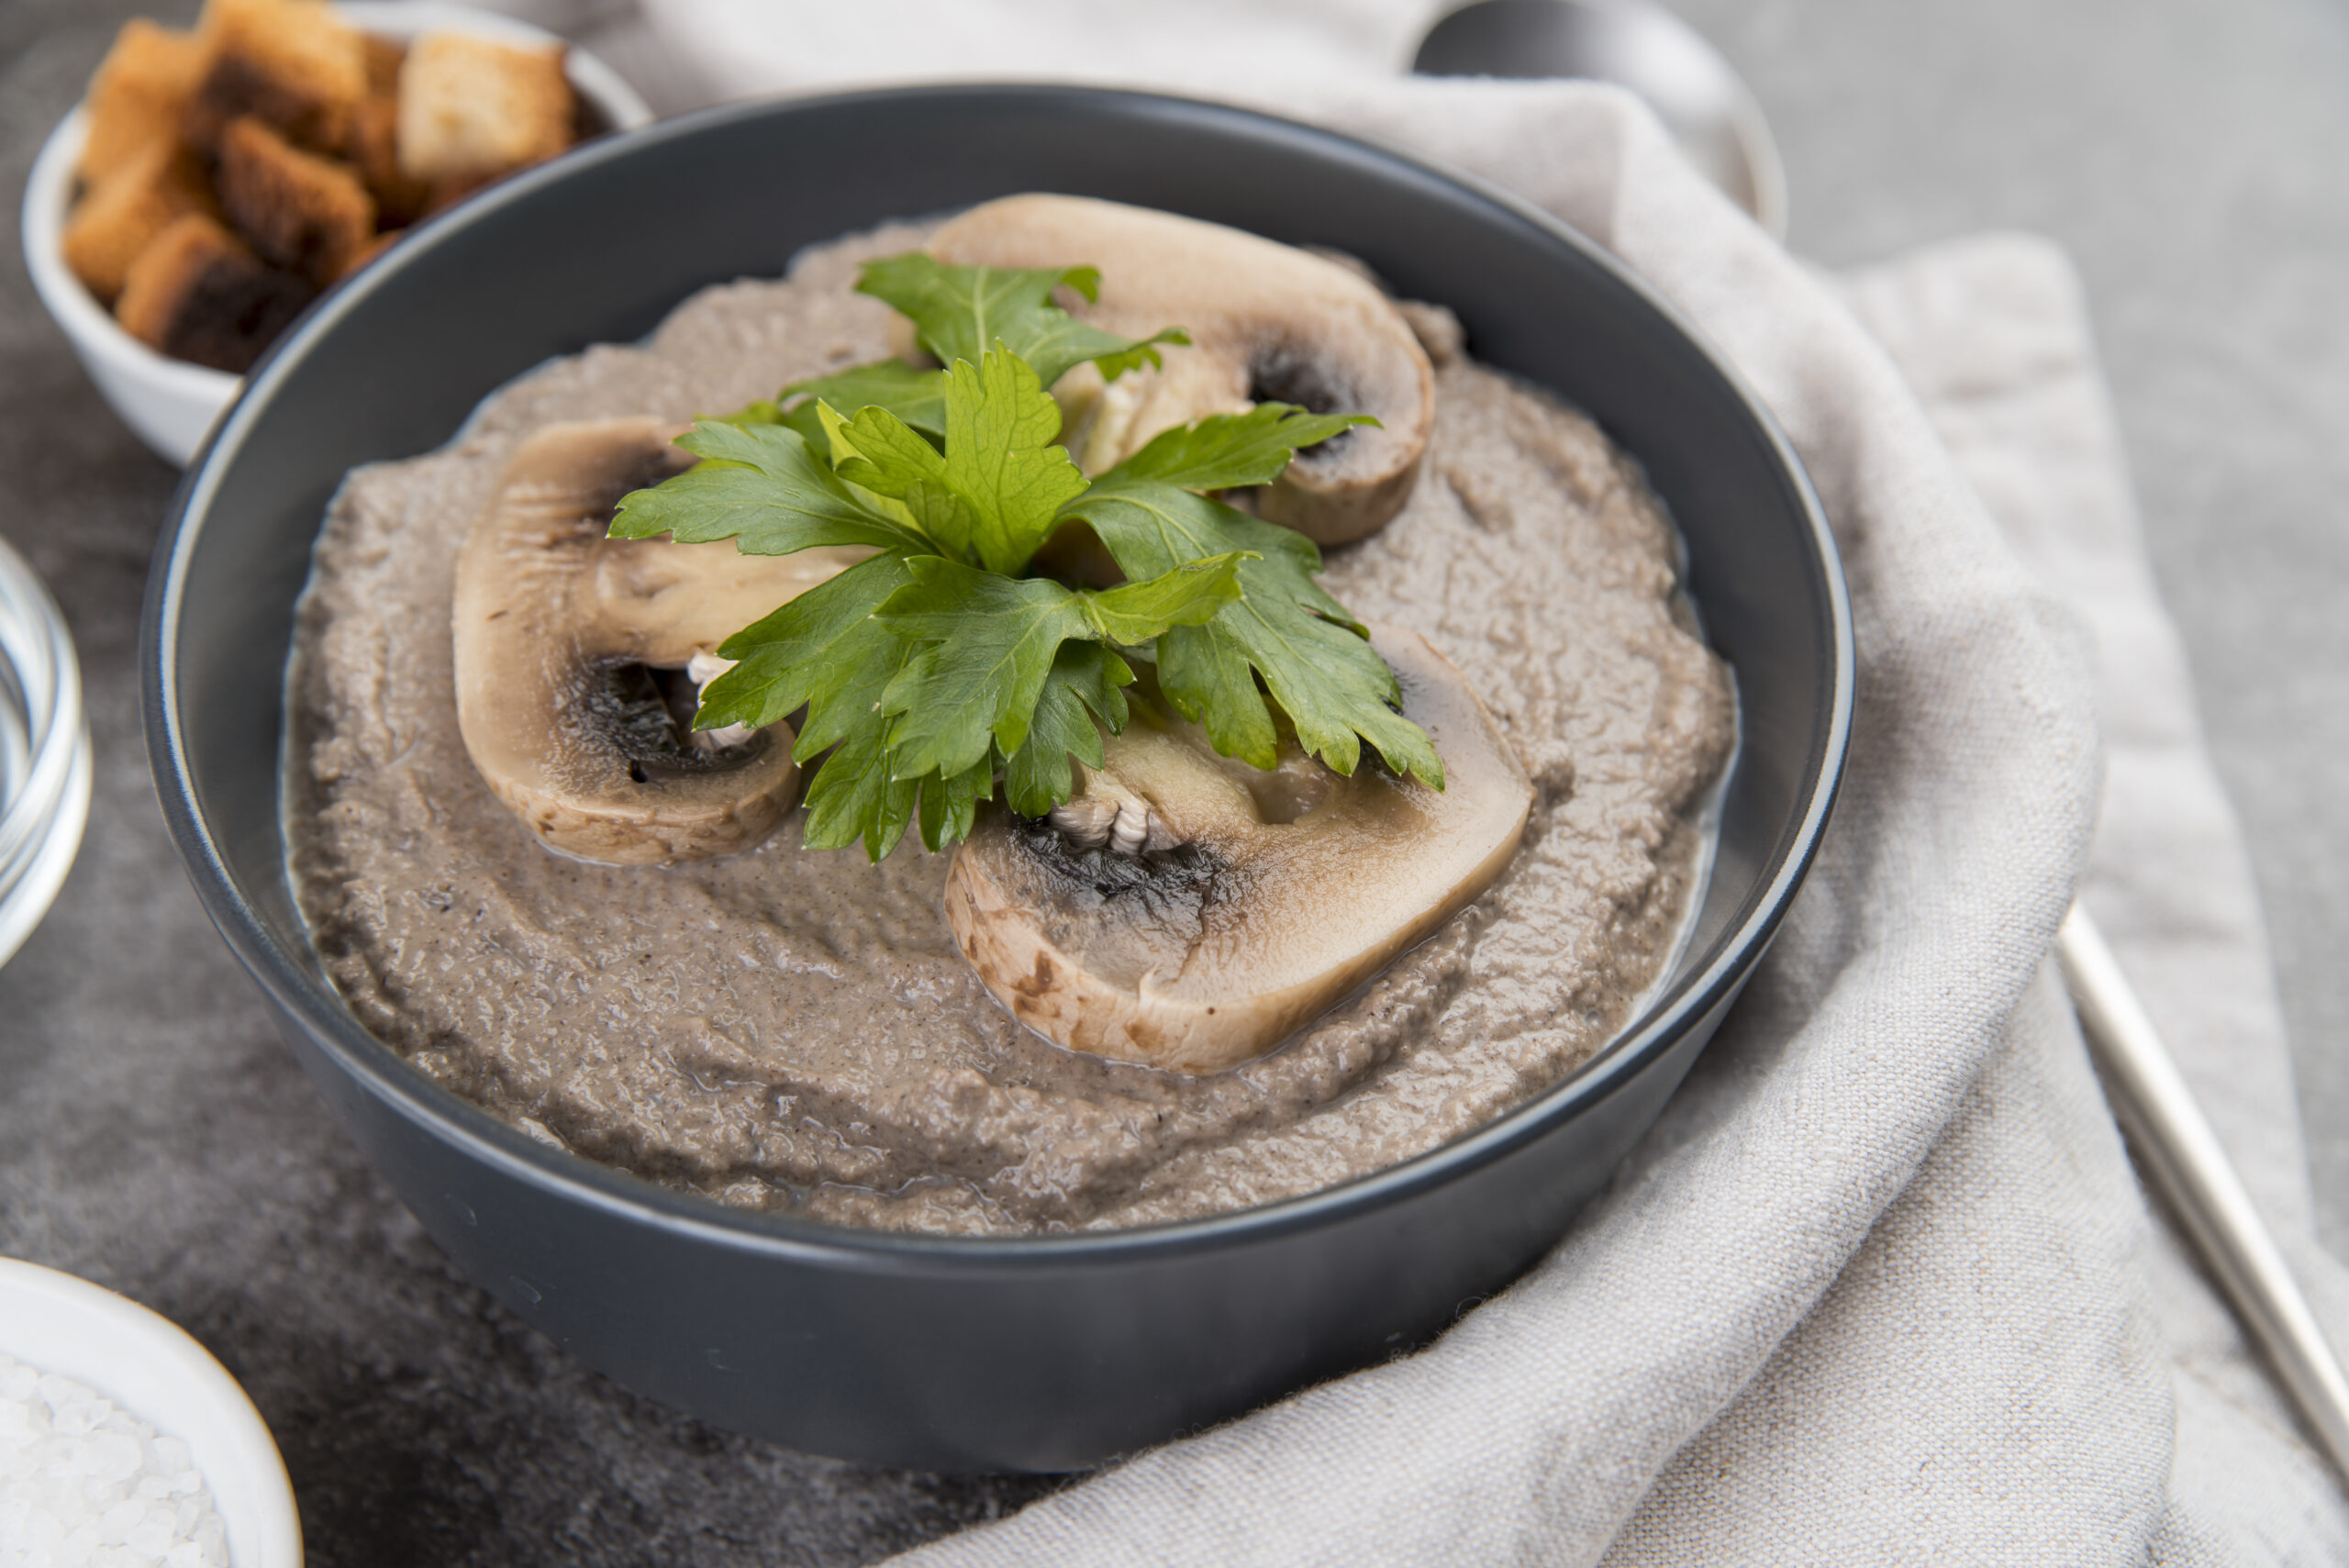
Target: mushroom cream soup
[[803, 1031]]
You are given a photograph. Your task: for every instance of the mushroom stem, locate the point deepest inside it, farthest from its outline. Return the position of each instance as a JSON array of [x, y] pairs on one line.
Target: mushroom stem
[[701, 669], [1105, 814]]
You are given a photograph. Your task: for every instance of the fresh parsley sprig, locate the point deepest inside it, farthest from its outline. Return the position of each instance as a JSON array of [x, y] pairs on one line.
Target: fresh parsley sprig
[[959, 313], [939, 664]]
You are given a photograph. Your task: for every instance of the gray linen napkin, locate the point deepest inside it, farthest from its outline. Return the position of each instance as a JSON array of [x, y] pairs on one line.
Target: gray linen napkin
[[1880, 1286], [1992, 334]]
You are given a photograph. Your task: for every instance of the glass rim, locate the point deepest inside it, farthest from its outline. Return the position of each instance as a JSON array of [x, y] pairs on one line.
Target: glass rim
[[44, 806]]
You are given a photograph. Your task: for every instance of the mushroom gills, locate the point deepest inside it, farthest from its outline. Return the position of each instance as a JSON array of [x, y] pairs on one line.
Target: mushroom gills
[[580, 658], [1185, 911], [1268, 323], [649, 712]]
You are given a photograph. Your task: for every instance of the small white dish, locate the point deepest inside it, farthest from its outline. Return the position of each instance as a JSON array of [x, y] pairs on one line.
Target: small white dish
[[150, 1368], [170, 403]]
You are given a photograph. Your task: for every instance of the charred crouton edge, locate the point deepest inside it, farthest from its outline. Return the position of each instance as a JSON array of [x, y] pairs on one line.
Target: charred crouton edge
[[122, 213], [293, 64], [198, 292], [301, 212]]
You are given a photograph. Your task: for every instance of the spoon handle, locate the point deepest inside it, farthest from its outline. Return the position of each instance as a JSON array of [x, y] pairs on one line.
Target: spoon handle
[[2175, 1145]]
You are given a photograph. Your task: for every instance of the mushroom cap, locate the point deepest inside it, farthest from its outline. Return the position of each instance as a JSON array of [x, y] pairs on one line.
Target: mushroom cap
[[1284, 891], [1268, 323], [559, 631]]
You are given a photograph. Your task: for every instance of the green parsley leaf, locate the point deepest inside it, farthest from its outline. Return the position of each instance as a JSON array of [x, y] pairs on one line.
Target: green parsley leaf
[[1151, 527], [1309, 653], [1226, 451], [990, 643], [803, 416], [913, 394], [1189, 594], [757, 411], [854, 796], [1209, 680], [882, 455], [949, 806], [824, 650], [1329, 682], [761, 486], [1081, 698], [965, 311], [995, 491], [961, 313], [987, 643]]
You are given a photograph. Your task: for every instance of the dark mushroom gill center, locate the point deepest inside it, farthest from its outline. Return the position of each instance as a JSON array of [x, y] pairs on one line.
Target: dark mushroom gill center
[[1093, 877], [648, 714], [1292, 373]]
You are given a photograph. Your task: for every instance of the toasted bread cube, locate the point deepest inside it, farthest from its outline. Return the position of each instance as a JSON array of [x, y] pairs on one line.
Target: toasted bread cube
[[382, 56], [302, 212], [375, 150], [374, 143], [471, 109], [293, 64], [139, 95], [198, 292], [123, 213]]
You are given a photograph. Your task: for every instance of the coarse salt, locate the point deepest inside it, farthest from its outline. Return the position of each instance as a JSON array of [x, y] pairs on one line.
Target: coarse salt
[[84, 1483]]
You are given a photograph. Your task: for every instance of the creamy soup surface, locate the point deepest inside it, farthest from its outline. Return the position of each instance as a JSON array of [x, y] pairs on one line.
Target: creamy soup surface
[[794, 1030]]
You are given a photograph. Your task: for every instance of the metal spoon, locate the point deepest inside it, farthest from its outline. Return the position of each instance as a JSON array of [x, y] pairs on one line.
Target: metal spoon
[[1705, 105], [2174, 1144], [1715, 121]]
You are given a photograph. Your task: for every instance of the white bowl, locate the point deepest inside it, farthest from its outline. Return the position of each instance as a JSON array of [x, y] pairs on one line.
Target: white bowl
[[172, 404], [149, 1368]]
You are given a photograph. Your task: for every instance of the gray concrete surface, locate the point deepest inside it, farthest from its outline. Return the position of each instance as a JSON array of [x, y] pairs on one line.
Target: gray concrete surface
[[154, 1135]]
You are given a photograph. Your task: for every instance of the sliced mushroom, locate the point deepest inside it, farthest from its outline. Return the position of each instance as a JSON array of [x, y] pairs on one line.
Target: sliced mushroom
[[1268, 323], [1189, 912], [572, 653]]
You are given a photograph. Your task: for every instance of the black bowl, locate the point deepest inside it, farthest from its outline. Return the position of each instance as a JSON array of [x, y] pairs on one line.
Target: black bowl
[[1040, 1354]]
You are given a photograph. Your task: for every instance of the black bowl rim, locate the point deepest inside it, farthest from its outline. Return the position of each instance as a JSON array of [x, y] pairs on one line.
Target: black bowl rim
[[440, 1114]]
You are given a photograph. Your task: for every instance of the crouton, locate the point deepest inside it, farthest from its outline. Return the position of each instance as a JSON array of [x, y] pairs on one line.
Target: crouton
[[302, 212], [124, 212], [473, 108], [139, 94], [382, 56], [198, 292], [374, 150], [293, 64]]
